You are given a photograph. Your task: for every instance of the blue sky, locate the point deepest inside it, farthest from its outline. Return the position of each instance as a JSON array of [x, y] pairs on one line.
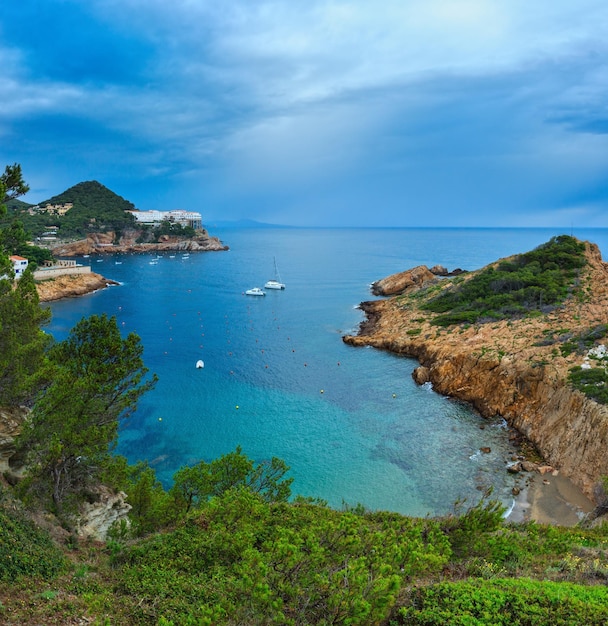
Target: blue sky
[[316, 112]]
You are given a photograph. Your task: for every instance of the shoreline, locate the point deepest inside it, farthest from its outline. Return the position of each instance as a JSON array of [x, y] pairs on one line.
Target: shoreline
[[71, 286], [549, 499]]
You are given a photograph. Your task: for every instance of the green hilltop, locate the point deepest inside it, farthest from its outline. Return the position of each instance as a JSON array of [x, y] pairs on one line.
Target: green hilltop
[[95, 208]]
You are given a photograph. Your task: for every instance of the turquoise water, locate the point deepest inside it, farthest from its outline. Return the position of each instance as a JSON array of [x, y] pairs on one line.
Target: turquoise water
[[278, 380]]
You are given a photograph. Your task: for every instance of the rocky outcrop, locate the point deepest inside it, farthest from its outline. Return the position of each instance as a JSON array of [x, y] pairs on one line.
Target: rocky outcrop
[[411, 280], [96, 518], [70, 286], [403, 282], [11, 420], [105, 243], [509, 368]]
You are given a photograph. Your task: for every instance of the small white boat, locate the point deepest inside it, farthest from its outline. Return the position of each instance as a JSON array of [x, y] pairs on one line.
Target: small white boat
[[117, 262], [255, 291], [199, 364], [275, 283]]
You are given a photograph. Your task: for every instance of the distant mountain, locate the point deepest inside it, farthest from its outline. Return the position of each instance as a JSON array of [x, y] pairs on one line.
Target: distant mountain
[[243, 224]]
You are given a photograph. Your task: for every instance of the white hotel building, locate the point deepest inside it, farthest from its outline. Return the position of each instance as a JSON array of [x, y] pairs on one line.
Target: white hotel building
[[178, 216]]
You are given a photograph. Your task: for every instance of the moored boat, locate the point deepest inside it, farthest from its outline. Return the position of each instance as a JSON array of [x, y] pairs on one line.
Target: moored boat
[[275, 283], [254, 291]]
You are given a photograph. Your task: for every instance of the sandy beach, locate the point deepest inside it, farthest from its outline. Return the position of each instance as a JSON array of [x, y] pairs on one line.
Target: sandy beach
[[549, 499]]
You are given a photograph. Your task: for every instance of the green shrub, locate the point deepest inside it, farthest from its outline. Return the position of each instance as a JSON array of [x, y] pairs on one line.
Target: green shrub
[[25, 550], [505, 602], [240, 559], [528, 283], [467, 532], [592, 382]]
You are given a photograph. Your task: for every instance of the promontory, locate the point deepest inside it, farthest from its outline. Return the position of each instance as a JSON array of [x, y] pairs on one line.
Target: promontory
[[521, 338]]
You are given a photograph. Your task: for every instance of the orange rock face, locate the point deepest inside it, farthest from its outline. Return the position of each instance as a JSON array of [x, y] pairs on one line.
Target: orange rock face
[[104, 243], [403, 282], [508, 368], [71, 286]]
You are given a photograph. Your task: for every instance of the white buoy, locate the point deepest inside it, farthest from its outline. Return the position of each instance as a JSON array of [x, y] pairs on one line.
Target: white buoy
[[199, 364]]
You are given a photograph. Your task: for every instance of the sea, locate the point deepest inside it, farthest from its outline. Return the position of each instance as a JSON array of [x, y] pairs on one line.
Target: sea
[[278, 380]]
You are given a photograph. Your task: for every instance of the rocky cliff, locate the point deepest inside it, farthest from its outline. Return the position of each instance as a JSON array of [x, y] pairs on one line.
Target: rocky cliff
[[105, 243], [70, 286], [513, 368]]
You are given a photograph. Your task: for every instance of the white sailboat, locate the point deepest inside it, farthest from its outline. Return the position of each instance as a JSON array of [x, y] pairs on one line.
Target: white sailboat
[[275, 283]]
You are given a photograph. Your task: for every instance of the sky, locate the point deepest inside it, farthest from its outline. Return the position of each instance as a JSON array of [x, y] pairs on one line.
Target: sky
[[318, 112]]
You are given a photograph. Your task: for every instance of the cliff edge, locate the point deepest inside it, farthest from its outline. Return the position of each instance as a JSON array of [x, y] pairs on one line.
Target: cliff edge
[[516, 368], [128, 241], [70, 286]]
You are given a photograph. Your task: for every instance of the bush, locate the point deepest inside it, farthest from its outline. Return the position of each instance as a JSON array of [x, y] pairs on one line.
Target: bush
[[25, 550], [592, 382], [535, 281], [506, 603], [243, 560]]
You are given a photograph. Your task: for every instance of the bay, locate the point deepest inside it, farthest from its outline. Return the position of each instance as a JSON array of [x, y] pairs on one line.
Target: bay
[[278, 380]]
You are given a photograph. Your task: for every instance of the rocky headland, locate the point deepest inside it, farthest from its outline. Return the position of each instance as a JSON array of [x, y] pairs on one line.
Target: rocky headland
[[514, 367], [71, 286], [108, 243]]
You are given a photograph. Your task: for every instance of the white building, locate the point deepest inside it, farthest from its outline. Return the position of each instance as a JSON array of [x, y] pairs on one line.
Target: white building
[[178, 216], [19, 265]]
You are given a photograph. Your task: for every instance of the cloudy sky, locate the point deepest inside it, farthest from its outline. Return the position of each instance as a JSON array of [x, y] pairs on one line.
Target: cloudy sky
[[315, 112]]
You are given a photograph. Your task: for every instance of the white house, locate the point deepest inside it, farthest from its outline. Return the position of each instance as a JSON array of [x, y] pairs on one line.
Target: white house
[[19, 265]]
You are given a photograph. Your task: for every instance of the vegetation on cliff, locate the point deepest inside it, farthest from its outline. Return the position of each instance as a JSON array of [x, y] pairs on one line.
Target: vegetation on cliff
[[533, 281]]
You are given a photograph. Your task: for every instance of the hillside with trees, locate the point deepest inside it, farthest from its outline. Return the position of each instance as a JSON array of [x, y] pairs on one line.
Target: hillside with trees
[[228, 543], [95, 209]]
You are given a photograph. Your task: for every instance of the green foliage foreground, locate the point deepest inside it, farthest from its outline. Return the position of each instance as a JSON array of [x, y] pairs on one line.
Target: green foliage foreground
[[25, 550], [506, 603], [242, 560]]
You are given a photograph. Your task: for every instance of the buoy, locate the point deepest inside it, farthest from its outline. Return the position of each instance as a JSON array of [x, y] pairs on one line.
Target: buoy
[[394, 395], [200, 364], [322, 391], [237, 406], [160, 419]]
